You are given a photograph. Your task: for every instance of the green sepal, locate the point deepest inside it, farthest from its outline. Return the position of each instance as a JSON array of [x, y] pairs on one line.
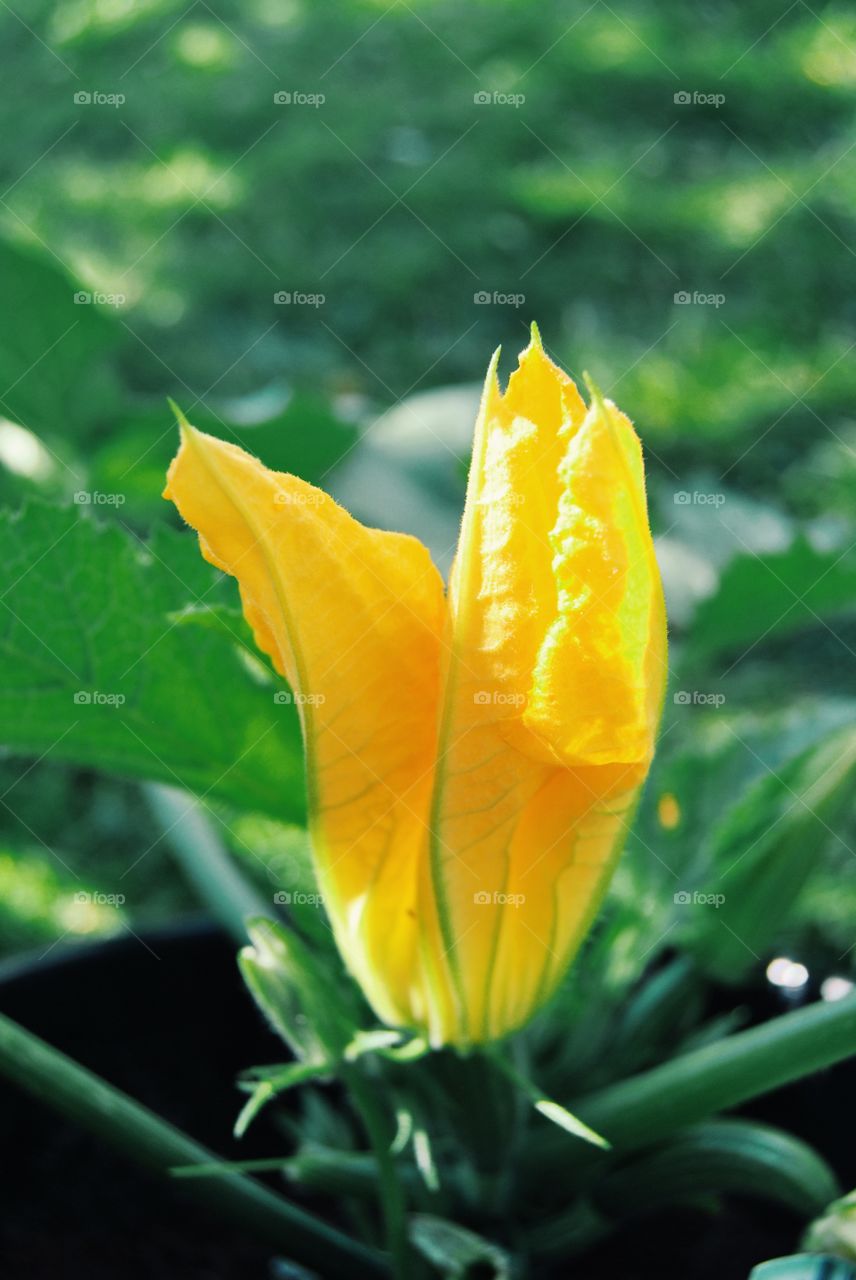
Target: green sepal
[[547, 1107], [314, 1011], [267, 1087]]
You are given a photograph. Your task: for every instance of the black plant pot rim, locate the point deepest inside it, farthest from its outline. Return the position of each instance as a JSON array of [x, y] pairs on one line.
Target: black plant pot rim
[[66, 955]]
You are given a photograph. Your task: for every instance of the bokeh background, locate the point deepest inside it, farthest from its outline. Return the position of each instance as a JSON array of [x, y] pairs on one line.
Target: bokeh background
[[309, 225]]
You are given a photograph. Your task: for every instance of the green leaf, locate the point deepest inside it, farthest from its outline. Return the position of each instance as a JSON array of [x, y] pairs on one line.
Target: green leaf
[[657, 1015], [455, 1251], [695, 1166], [770, 595], [94, 672], [51, 373], [305, 437], [738, 1157], [763, 853]]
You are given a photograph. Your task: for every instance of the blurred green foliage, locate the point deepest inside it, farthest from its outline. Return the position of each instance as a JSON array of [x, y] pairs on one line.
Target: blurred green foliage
[[602, 199], [598, 197]]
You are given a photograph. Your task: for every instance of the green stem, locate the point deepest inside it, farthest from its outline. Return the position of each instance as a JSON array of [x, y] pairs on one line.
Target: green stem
[[74, 1091], [340, 1173], [647, 1107], [204, 859], [392, 1195]]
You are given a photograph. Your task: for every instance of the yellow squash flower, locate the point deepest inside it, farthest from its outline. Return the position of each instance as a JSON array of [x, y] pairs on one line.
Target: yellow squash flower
[[472, 756]]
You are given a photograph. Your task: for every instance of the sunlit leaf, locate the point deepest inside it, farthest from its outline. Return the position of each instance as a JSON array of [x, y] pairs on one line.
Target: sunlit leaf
[[96, 672]]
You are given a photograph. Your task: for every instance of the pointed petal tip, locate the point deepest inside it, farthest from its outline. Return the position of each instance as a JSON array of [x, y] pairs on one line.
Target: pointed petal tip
[[179, 413], [186, 431], [534, 348], [597, 397], [188, 436], [491, 380]]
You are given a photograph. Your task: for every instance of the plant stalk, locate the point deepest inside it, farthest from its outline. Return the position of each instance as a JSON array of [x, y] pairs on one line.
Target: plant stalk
[[105, 1111], [647, 1107], [391, 1190], [202, 856]]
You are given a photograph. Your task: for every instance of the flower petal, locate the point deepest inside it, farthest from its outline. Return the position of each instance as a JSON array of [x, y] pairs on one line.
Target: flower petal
[[552, 690], [598, 681], [471, 766], [352, 617]]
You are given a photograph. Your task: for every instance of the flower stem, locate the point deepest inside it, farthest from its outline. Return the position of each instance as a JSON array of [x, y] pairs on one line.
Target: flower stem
[[71, 1089], [647, 1107], [392, 1197]]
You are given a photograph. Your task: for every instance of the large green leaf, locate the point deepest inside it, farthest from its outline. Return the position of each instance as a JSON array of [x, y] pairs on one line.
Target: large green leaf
[[771, 595], [100, 668], [697, 1166], [740, 1157]]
